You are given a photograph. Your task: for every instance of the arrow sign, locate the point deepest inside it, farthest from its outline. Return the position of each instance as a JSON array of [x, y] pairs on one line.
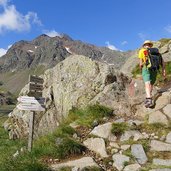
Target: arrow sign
[[31, 107], [31, 100]]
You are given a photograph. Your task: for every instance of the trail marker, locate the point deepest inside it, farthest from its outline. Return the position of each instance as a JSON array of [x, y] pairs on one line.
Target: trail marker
[[34, 103]]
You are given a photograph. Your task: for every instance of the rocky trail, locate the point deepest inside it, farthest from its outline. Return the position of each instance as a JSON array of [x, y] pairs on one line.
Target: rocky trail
[[138, 148]]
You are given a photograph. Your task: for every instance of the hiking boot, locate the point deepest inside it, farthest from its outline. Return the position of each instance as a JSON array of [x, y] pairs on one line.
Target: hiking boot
[[148, 103]]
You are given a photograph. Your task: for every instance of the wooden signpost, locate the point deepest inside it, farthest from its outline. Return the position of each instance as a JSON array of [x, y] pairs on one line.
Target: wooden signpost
[[35, 86], [34, 103]]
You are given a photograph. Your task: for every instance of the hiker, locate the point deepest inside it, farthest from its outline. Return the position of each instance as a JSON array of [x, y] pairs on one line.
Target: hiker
[[149, 68]]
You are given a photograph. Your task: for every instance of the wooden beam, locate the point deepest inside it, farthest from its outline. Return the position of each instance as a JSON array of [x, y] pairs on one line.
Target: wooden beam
[[36, 79], [35, 94], [31, 131], [36, 87]]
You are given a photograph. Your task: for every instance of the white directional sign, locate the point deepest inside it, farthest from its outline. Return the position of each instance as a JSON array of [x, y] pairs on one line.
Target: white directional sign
[[31, 107], [32, 100], [31, 103]]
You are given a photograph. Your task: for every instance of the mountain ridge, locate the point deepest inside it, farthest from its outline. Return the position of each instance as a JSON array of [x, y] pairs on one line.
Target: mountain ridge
[[51, 50], [34, 57]]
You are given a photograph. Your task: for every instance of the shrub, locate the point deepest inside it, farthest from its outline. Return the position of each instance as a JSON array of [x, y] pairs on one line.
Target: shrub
[[69, 147], [45, 147], [59, 144], [64, 130], [119, 128]]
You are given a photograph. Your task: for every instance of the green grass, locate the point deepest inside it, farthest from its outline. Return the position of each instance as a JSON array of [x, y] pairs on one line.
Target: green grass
[[88, 115], [7, 147], [25, 162], [59, 145], [154, 128], [69, 147], [119, 128], [15, 81]]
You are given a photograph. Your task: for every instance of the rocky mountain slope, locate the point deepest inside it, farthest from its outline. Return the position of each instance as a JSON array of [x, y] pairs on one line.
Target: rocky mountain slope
[[48, 51], [34, 57]]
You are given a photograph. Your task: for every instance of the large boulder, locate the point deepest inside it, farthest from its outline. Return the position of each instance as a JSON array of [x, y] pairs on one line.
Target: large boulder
[[75, 82]]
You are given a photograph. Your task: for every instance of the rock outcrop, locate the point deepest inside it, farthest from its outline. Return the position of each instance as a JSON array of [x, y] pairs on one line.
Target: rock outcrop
[[75, 82]]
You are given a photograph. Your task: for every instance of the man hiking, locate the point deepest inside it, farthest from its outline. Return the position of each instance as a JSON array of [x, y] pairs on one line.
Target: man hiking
[[149, 61]]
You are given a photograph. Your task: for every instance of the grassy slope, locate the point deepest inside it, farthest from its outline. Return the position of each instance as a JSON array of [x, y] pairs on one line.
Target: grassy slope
[[7, 147], [59, 145], [15, 81], [6, 109]]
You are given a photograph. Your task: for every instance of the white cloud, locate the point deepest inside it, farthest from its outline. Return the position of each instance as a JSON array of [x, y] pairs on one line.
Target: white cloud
[[124, 43], [9, 46], [12, 20], [52, 33], [110, 46], [3, 2], [4, 51], [168, 28], [33, 16]]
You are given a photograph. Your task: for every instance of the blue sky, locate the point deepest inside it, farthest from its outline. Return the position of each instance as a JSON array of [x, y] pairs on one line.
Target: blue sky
[[117, 24]]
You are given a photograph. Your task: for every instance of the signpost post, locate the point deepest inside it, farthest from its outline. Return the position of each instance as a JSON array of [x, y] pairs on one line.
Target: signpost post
[[34, 103]]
